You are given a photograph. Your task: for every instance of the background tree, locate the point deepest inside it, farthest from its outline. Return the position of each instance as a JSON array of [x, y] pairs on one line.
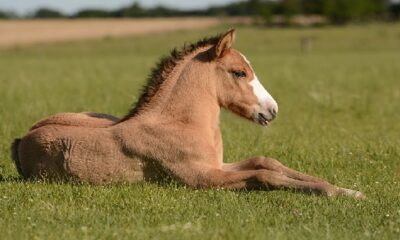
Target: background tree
[[291, 8], [394, 11], [342, 11], [312, 6], [47, 13], [134, 10], [92, 13], [7, 15]]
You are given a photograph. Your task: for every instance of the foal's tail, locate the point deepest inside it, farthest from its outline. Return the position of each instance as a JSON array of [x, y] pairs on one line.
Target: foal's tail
[[14, 155]]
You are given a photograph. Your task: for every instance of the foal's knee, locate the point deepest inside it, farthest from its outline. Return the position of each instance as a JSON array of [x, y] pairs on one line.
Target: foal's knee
[[262, 162]]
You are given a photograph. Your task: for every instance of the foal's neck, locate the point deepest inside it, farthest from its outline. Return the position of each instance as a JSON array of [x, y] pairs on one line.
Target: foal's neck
[[187, 95], [193, 98]]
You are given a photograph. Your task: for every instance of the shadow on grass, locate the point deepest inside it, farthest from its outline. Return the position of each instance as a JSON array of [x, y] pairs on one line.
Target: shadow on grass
[[11, 179], [165, 183]]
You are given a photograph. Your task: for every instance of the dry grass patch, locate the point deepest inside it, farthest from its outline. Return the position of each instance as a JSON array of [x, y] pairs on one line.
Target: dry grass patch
[[27, 32]]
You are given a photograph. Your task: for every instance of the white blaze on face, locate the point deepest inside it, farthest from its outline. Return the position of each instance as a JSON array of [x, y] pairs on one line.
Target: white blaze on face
[[264, 98]]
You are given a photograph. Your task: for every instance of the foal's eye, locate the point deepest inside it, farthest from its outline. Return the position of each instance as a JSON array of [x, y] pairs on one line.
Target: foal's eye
[[239, 74]]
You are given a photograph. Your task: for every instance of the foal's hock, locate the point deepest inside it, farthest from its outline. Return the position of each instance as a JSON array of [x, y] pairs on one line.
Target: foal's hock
[[173, 132]]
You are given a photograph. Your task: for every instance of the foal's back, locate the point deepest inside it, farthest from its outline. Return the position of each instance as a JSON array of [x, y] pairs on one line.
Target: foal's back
[[83, 119]]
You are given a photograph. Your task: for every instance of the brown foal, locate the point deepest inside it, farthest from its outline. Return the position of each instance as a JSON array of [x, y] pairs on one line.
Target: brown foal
[[172, 132]]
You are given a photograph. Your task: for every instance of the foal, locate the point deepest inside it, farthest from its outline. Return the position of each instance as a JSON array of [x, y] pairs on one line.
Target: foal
[[172, 132]]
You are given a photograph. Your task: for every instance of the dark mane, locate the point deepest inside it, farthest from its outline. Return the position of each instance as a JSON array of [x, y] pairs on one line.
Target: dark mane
[[163, 68]]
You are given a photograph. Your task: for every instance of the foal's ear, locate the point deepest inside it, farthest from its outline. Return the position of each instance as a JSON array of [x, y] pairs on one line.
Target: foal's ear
[[224, 43]]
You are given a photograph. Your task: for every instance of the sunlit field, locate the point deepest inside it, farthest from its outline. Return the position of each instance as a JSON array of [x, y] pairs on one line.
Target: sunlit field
[[339, 119]]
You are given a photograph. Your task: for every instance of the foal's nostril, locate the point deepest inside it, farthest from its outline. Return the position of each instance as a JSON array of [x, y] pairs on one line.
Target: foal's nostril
[[273, 112]]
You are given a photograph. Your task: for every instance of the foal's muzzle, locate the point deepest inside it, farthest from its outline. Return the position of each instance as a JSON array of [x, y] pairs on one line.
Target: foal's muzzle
[[265, 117]]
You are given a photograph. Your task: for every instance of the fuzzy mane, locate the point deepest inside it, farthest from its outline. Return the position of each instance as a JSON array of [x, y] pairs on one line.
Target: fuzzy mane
[[163, 68]]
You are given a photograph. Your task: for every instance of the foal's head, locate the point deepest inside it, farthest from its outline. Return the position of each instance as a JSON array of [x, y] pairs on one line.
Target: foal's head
[[238, 88]]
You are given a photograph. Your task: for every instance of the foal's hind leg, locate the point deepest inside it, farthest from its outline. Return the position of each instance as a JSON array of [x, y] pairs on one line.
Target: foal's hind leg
[[276, 166]]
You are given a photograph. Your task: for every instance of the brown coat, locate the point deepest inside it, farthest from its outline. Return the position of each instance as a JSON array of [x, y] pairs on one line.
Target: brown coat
[[173, 132]]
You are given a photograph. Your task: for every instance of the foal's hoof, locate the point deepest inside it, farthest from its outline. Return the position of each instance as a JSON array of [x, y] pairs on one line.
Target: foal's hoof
[[352, 193]]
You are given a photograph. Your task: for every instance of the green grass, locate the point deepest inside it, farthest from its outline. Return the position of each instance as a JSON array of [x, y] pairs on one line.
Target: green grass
[[339, 119]]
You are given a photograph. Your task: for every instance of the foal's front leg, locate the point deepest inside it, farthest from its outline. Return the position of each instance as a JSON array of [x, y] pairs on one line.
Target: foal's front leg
[[257, 179], [275, 166], [261, 162]]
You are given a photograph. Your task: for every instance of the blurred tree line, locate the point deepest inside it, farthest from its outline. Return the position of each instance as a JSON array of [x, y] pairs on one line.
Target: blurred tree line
[[337, 11]]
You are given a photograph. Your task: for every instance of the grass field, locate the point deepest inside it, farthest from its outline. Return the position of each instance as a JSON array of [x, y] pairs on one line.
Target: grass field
[[339, 119]]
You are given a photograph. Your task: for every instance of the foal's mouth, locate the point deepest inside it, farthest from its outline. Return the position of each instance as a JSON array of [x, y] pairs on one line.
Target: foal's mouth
[[263, 120]]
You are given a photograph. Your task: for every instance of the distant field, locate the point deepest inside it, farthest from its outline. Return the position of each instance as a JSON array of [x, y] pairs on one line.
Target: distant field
[[27, 32], [339, 119]]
